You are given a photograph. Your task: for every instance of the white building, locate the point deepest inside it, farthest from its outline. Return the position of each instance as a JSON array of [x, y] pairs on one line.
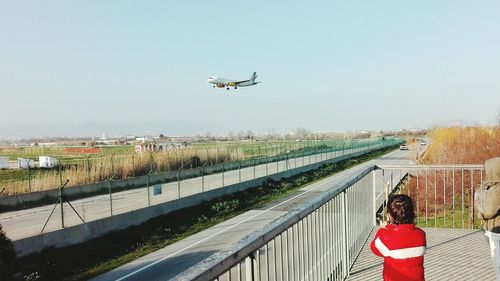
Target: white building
[[4, 162], [47, 162], [24, 163]]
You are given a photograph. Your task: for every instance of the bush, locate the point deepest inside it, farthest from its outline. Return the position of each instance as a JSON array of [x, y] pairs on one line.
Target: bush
[[225, 207], [7, 255]]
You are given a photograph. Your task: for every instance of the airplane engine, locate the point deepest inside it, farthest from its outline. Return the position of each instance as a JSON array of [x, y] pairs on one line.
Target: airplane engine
[[221, 85]]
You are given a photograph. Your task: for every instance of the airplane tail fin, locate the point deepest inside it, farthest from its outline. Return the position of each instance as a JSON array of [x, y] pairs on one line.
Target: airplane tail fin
[[253, 77]]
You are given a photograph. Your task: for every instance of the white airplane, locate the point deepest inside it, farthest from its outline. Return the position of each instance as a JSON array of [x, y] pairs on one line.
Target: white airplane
[[226, 83]]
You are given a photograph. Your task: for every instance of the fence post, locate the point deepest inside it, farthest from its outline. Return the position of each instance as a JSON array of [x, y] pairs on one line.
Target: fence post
[[147, 186], [254, 168], [223, 173], [267, 161], [112, 165], [239, 171], [62, 207], [203, 177], [88, 169], [110, 197], [133, 166], [179, 183], [29, 175]]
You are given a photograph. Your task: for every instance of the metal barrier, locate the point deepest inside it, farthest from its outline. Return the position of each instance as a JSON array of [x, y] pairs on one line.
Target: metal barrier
[[320, 240], [317, 241], [443, 194]]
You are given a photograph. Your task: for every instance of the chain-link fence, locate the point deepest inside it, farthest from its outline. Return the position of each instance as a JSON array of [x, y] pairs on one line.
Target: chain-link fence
[[81, 170], [120, 196]]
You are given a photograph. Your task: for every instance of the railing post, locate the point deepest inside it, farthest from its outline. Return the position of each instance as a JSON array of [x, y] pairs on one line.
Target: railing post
[[345, 244], [374, 194]]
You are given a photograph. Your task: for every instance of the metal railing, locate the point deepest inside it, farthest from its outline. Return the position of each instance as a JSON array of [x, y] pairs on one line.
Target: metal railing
[[443, 194], [320, 240], [317, 241]]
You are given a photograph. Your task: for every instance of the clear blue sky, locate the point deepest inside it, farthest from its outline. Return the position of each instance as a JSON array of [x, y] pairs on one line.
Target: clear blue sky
[[325, 65]]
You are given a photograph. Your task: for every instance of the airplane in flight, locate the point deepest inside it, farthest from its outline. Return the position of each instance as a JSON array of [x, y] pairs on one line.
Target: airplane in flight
[[226, 83]]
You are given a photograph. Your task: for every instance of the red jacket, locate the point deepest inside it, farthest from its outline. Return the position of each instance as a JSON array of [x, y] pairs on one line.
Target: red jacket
[[403, 247]]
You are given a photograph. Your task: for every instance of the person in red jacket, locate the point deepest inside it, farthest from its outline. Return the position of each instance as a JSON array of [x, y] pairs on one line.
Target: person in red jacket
[[400, 242]]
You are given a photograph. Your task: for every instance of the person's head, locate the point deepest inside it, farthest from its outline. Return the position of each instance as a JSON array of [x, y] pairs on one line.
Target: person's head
[[400, 209], [492, 167]]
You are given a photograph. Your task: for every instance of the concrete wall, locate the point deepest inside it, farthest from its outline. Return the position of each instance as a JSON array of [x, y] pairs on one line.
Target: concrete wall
[[80, 191]]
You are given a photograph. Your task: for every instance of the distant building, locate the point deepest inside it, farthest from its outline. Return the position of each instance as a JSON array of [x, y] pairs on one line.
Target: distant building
[[4, 162], [143, 139], [47, 162]]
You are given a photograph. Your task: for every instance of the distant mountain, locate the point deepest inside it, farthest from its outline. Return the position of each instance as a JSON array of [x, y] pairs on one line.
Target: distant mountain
[[95, 129]]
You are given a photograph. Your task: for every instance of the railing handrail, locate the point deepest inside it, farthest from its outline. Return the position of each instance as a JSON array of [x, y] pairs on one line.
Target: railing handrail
[[432, 166], [220, 262]]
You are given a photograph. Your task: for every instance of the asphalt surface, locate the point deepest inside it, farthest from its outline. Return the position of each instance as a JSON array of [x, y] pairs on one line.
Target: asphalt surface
[[176, 258]]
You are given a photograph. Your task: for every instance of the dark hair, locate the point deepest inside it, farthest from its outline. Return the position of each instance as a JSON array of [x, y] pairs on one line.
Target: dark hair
[[400, 207]]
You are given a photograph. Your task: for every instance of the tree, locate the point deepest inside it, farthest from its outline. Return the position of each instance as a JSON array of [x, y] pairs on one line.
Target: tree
[[301, 133], [7, 255]]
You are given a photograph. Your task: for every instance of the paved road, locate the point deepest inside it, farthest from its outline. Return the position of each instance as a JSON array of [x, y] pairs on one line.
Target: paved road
[[27, 223], [176, 258]]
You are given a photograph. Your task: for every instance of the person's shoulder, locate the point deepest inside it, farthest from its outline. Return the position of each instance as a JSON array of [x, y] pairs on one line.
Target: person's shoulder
[[383, 231], [420, 231]]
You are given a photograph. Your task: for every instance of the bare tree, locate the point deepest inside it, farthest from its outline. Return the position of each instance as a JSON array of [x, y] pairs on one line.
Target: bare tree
[[302, 133]]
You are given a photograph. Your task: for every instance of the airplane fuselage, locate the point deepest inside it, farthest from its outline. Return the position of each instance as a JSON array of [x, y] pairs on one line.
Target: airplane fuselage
[[226, 83]]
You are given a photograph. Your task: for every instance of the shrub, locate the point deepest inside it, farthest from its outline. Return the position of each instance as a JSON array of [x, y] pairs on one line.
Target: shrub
[[225, 207], [7, 255], [472, 145]]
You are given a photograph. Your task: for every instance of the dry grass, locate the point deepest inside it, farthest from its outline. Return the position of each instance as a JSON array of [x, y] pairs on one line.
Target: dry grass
[[440, 193], [104, 167], [456, 145]]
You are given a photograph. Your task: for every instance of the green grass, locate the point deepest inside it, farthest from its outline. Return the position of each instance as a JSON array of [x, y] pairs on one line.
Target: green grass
[[449, 220], [12, 174], [446, 218], [83, 261]]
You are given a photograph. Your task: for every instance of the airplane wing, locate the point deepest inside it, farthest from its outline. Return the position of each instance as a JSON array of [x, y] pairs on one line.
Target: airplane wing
[[236, 83]]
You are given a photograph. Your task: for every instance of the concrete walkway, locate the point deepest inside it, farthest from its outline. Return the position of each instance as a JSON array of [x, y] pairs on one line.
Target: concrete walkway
[[453, 254]]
